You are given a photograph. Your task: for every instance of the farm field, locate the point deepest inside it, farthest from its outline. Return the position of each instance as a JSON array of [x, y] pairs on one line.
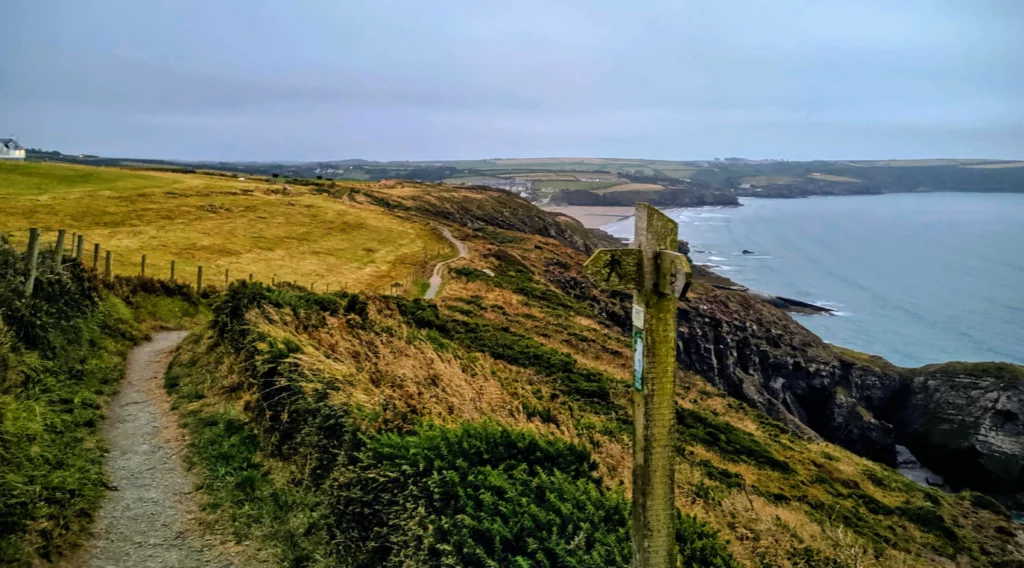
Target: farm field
[[272, 230], [631, 187]]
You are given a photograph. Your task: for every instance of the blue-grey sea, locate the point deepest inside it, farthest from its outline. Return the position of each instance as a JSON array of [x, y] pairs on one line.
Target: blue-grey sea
[[917, 278]]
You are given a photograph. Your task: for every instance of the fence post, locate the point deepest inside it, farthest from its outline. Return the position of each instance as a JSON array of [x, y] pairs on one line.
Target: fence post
[[250, 277], [80, 245], [108, 272], [199, 279], [225, 278], [33, 259], [658, 276], [96, 256], [58, 253], [172, 271], [143, 271]]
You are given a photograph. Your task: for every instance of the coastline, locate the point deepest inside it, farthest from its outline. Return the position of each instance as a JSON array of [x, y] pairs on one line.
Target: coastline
[[592, 216]]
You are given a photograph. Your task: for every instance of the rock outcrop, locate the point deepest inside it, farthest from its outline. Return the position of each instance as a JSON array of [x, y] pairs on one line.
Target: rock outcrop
[[965, 421]]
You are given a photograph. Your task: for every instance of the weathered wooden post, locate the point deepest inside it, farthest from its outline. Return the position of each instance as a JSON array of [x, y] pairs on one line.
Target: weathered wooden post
[[58, 253], [142, 271], [250, 277], [108, 272], [80, 248], [96, 256], [225, 278], [33, 260], [172, 271], [658, 276], [199, 279]]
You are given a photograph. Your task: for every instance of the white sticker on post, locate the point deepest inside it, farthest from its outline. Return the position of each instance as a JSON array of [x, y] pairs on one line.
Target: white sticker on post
[[638, 316]]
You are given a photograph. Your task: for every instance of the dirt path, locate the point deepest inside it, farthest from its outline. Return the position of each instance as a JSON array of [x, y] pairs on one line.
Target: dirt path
[[435, 279], [145, 521]]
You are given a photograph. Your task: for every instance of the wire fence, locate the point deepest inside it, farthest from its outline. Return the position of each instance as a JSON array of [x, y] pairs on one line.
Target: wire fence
[[200, 277]]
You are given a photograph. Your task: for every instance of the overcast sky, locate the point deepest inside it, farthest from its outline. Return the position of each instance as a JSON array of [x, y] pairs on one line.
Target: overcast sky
[[452, 79]]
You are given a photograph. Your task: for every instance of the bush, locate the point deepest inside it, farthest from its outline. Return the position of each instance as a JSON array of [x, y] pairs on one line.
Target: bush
[[728, 441], [61, 353]]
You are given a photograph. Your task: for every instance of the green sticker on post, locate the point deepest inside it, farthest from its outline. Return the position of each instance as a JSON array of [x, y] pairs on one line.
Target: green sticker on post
[[638, 359]]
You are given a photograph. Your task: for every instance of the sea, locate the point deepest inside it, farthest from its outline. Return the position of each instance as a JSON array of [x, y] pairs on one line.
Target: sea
[[917, 278]]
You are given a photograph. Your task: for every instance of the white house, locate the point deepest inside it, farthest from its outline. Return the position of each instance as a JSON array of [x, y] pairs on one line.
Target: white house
[[11, 150]]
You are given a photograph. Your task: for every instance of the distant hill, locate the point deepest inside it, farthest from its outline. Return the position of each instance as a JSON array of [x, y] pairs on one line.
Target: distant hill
[[716, 181]]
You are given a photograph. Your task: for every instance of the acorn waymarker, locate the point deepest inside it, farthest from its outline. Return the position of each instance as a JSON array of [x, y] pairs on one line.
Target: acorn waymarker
[[658, 276]]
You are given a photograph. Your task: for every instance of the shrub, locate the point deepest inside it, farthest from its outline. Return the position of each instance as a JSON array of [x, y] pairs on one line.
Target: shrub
[[728, 441], [61, 352]]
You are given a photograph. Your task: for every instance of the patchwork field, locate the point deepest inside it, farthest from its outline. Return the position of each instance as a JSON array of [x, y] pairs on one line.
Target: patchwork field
[[632, 187], [307, 234]]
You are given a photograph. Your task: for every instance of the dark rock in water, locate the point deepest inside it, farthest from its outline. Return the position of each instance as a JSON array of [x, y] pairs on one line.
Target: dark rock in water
[[745, 251], [684, 247]]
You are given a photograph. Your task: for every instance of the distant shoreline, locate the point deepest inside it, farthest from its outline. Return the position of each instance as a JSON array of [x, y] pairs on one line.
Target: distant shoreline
[[592, 216]]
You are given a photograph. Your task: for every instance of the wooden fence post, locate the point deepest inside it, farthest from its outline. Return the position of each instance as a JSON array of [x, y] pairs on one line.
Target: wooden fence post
[[225, 277], [33, 260], [172, 271], [142, 272], [58, 253], [199, 279], [96, 256], [658, 277], [250, 277], [80, 245], [108, 272]]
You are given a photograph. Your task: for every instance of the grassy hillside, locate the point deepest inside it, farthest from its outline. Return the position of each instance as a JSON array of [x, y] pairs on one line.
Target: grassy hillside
[[456, 429], [61, 356], [303, 233]]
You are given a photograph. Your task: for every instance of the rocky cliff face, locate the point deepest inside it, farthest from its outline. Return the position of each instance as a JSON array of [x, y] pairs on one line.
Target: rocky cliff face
[[760, 355], [967, 422], [964, 421]]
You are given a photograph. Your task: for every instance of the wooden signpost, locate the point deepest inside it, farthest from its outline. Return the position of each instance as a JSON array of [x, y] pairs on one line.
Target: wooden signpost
[[658, 276]]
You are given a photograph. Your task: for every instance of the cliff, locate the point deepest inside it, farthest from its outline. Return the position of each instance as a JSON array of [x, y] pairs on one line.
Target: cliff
[[390, 431]]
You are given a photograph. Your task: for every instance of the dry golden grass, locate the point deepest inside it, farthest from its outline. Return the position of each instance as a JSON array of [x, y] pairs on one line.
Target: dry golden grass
[[632, 187], [830, 177], [220, 223], [767, 180]]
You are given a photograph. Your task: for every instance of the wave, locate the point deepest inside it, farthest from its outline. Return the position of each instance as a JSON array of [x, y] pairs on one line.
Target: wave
[[715, 258]]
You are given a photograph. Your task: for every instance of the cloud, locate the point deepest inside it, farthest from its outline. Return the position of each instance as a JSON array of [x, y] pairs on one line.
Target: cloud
[[451, 78]]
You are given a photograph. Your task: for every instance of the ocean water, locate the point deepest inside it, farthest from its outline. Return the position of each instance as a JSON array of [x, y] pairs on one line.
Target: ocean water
[[917, 278]]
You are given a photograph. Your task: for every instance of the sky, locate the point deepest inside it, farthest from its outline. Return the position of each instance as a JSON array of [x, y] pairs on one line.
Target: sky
[[465, 79]]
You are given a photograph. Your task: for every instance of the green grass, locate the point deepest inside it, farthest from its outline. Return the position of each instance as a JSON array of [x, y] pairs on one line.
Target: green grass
[[1006, 372], [325, 481], [728, 441], [61, 355]]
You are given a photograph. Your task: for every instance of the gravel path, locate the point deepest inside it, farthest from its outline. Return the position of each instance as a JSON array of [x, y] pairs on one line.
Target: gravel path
[[435, 279], [146, 520]]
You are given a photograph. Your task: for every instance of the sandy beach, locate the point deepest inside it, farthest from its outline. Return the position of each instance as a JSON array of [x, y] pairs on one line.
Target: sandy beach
[[592, 217]]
